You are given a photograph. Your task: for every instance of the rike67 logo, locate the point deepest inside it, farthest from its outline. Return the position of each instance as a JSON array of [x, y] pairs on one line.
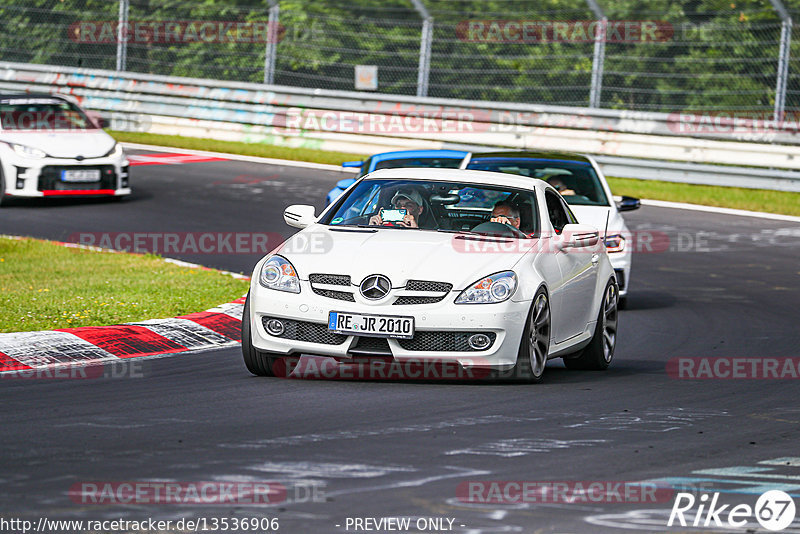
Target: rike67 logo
[[774, 510]]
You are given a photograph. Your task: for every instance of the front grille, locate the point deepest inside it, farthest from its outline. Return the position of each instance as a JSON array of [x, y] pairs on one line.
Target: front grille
[[50, 178], [341, 295], [306, 331], [423, 285], [443, 341], [331, 279], [417, 300], [371, 346], [334, 280]]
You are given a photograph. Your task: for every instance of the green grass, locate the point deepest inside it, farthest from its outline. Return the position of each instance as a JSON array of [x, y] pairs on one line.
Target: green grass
[[726, 197], [44, 286], [263, 150], [708, 195]]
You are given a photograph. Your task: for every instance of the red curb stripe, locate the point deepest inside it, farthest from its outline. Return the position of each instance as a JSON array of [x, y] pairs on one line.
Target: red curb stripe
[[7, 363], [220, 323], [176, 158], [82, 192], [125, 341]]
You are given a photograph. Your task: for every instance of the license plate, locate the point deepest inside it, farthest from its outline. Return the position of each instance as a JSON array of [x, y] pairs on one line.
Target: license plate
[[81, 175], [371, 325]]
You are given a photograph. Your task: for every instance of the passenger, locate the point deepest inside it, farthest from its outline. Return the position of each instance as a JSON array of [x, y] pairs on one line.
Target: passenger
[[404, 199]]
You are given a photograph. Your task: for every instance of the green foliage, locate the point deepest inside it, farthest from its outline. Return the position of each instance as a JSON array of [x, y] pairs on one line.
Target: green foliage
[[714, 54]]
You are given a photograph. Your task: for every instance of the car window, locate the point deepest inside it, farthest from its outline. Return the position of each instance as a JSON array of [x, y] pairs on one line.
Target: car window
[[444, 163], [41, 113], [435, 205], [556, 211], [576, 181]]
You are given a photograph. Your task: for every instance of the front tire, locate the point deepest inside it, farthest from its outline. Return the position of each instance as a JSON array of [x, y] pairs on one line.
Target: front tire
[[256, 362], [2, 186], [535, 344], [597, 355]]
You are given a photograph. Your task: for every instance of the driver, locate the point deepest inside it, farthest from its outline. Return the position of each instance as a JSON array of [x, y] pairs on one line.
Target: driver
[[559, 185], [505, 212], [405, 199]]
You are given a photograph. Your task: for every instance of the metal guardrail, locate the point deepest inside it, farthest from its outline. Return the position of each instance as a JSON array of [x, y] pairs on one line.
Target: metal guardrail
[[625, 143]]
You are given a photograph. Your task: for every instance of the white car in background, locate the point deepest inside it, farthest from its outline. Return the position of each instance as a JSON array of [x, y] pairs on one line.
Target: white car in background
[[49, 146], [452, 286], [580, 181]]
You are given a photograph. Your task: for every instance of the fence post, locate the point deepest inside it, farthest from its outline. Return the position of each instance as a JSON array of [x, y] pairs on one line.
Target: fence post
[[425, 44], [271, 52], [783, 58], [599, 56], [122, 35]]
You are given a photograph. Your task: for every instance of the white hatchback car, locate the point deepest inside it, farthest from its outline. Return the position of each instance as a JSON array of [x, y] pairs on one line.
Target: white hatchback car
[[50, 147], [407, 265], [579, 179]]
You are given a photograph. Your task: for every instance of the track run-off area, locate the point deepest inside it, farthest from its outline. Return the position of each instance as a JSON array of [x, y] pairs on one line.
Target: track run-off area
[[717, 287]]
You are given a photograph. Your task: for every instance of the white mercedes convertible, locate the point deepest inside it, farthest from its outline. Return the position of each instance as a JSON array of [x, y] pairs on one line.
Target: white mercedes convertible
[[471, 268]]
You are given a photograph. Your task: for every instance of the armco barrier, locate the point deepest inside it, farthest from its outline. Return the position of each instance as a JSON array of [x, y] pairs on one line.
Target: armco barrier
[[628, 144]]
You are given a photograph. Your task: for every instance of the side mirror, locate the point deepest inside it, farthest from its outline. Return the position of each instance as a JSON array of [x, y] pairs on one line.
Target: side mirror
[[579, 236], [344, 184], [98, 120], [629, 204], [299, 215], [356, 164]]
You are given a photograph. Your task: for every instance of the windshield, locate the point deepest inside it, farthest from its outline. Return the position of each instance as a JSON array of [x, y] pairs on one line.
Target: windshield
[[446, 163], [438, 206], [577, 181], [41, 113]]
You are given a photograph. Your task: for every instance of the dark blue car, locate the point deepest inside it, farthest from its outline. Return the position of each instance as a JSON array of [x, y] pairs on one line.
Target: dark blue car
[[403, 158]]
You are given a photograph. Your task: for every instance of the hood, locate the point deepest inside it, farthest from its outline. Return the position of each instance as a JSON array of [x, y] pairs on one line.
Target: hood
[[596, 216], [64, 144], [401, 255]]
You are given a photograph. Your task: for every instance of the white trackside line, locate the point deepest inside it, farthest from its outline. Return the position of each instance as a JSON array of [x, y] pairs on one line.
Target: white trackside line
[[724, 211], [240, 157]]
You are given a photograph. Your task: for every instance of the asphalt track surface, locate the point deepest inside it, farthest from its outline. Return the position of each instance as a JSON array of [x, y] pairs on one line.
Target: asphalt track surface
[[401, 449]]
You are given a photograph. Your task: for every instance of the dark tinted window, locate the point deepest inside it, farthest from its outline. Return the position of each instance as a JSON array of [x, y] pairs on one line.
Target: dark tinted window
[[575, 180]]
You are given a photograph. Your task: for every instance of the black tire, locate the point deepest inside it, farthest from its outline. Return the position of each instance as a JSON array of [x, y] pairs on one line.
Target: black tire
[[256, 361], [597, 355], [535, 339], [623, 303], [2, 186]]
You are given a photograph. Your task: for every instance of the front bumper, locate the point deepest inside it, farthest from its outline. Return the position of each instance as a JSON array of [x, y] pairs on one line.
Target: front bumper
[[41, 177], [438, 326], [621, 262]]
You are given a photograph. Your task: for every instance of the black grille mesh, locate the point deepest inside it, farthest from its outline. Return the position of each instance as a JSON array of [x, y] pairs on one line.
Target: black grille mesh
[[374, 344], [424, 285], [332, 279], [443, 341], [50, 178], [340, 295], [417, 300], [305, 331]]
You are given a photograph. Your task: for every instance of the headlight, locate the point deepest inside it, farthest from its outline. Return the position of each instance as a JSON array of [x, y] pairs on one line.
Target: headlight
[[278, 273], [115, 152], [615, 243], [492, 289], [29, 152]]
